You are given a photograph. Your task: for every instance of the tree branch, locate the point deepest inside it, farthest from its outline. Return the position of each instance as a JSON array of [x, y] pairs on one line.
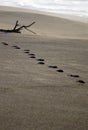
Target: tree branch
[[18, 30]]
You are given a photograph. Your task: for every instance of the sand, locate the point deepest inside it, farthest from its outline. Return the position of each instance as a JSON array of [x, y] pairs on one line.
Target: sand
[[36, 96]]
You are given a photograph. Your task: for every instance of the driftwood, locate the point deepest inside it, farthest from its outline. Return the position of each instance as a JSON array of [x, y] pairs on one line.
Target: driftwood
[[17, 28]]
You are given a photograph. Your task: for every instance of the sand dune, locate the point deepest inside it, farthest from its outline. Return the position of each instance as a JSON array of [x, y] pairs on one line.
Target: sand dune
[[45, 24], [43, 77]]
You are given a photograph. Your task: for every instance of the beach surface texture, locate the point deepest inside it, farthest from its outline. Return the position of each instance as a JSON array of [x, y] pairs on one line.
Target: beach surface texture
[[43, 75]]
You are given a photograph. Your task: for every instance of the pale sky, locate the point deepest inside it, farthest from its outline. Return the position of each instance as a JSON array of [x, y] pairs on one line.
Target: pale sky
[[75, 7]]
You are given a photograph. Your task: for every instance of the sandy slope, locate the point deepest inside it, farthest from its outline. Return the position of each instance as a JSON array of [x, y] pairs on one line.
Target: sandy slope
[[34, 96], [46, 25]]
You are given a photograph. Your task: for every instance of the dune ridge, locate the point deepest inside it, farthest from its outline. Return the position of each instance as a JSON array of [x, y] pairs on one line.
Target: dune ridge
[[45, 24]]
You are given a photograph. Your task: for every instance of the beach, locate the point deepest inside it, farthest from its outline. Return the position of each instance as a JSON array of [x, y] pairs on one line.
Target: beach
[[43, 75]]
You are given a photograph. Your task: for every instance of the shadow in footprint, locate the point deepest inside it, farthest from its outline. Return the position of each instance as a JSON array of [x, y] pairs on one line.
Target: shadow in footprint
[[32, 57], [61, 71], [75, 76], [26, 50], [53, 66], [41, 63], [4, 43], [40, 60], [16, 47], [32, 54], [81, 81]]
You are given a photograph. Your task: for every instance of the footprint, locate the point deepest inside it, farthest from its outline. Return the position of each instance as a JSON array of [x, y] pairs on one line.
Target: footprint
[[42, 63], [27, 50], [54, 67], [32, 57], [16, 47], [32, 54], [61, 71], [4, 43], [75, 76], [40, 60], [81, 81]]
